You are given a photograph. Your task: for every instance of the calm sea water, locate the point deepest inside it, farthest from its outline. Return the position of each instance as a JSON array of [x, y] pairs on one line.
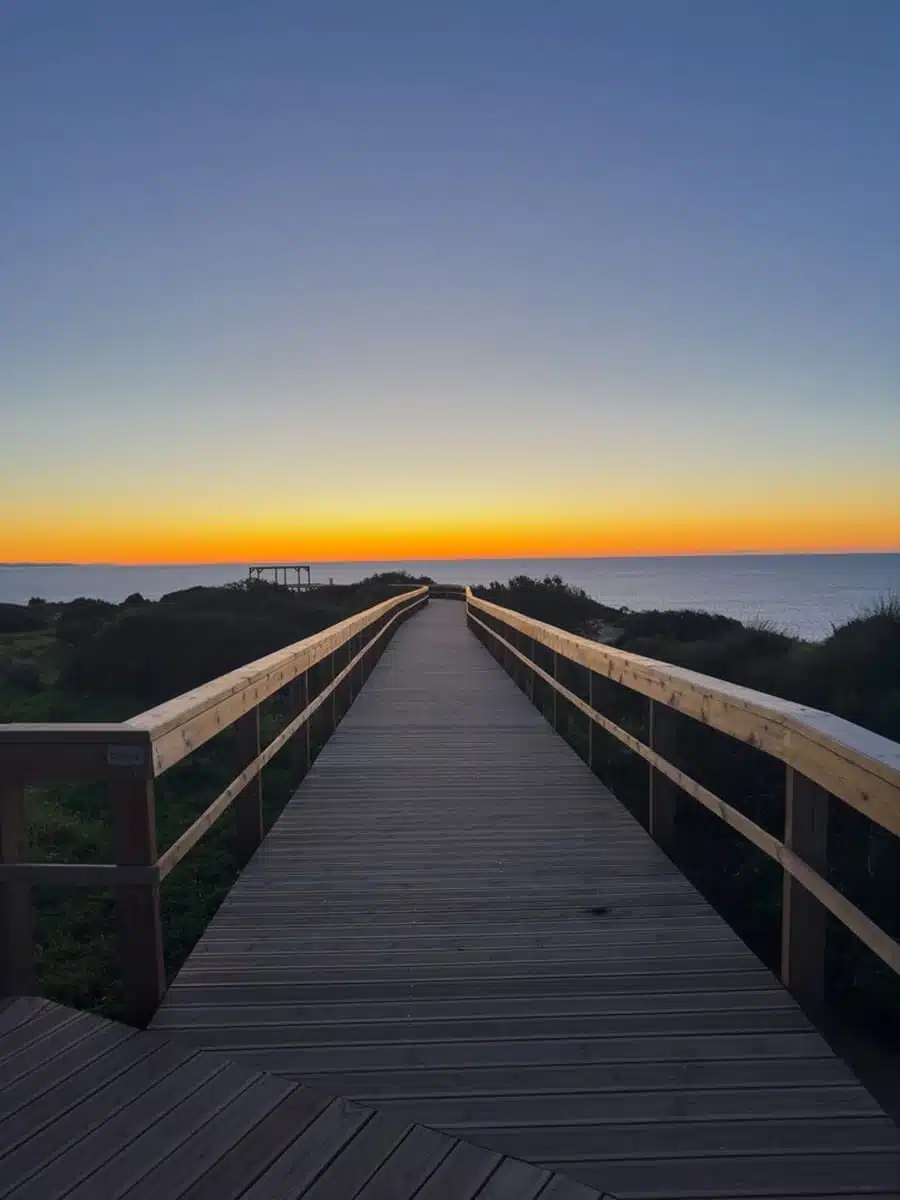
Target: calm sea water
[[802, 594]]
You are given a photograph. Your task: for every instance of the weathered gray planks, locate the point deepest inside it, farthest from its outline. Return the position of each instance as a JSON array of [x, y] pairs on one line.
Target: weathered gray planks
[[139, 1116], [453, 919]]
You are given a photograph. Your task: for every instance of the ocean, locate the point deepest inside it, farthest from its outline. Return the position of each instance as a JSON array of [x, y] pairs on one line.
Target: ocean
[[802, 594]]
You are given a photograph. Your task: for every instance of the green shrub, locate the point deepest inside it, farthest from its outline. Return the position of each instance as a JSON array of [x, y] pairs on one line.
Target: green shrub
[[19, 618]]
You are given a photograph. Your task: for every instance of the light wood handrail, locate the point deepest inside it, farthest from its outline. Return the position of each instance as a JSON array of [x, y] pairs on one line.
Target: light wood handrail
[[857, 766], [860, 767]]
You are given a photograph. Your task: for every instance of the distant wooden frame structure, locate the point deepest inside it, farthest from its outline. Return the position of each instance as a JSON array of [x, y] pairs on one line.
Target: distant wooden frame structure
[[256, 574]]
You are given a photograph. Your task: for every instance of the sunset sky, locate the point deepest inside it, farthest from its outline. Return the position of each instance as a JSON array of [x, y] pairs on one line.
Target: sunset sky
[[380, 279]]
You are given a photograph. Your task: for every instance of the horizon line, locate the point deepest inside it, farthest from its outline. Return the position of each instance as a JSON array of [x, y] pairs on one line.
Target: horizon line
[[245, 563]]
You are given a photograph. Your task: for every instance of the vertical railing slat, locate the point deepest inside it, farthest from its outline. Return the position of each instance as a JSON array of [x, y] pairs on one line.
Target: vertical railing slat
[[16, 913], [141, 964], [248, 805], [663, 794], [803, 919]]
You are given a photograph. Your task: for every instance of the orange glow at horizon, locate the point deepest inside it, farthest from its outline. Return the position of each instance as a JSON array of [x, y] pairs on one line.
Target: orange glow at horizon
[[443, 538]]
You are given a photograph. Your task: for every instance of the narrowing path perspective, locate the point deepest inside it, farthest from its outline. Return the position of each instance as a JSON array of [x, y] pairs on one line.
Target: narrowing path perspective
[[453, 919]]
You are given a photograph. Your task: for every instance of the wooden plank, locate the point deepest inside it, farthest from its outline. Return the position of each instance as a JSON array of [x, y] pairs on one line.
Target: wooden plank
[[88, 1115], [410, 1165], [319, 1144], [803, 918], [360, 1159], [98, 1038], [160, 1141], [714, 1176], [71, 1031], [16, 913], [143, 974], [85, 1157], [561, 1188], [25, 1034], [16, 1011], [251, 1157], [514, 1180], [644, 1140], [461, 1175], [33, 1119]]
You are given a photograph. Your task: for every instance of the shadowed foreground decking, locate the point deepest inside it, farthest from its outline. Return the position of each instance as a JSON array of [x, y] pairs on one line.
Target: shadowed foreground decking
[[455, 921], [92, 1110]]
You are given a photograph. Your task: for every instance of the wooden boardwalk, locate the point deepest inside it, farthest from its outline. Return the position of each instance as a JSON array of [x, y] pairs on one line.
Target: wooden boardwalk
[[91, 1110], [453, 920]]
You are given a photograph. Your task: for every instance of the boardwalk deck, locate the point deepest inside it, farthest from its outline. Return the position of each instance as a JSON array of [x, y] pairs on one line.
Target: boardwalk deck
[[91, 1110], [455, 921]]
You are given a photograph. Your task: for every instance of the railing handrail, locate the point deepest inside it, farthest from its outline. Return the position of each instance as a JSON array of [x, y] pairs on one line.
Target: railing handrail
[[201, 709], [859, 766]]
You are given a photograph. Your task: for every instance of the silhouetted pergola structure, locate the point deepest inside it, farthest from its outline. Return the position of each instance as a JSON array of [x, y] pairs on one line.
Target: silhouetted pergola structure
[[289, 575]]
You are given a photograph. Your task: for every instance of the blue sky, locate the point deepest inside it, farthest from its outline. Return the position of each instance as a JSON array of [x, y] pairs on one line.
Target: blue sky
[[280, 266]]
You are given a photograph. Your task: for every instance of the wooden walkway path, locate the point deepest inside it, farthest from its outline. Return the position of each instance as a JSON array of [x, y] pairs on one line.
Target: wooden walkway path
[[453, 920], [91, 1110]]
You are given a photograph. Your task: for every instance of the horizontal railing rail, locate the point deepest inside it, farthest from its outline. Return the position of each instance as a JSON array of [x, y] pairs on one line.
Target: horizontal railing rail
[[448, 591], [128, 756], [823, 755]]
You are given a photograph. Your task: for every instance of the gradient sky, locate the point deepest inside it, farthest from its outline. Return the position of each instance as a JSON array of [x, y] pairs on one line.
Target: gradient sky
[[405, 279]]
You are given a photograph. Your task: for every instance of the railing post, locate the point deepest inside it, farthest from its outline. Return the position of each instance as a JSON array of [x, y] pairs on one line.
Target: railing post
[[557, 707], [300, 748], [16, 913], [591, 721], [663, 794], [803, 919], [141, 963], [532, 677], [248, 810], [364, 638], [332, 658], [351, 651]]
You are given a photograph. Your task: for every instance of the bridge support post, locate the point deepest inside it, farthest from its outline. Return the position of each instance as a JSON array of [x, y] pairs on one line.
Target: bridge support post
[[557, 717], [248, 809], [16, 913], [591, 721], [141, 964], [663, 794], [803, 919], [300, 748]]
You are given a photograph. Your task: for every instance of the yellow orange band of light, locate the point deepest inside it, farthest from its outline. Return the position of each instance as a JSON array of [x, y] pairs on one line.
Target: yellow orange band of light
[[365, 540]]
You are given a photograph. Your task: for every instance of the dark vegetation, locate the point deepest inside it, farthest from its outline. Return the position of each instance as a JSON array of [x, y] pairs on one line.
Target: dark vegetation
[[854, 673], [89, 660]]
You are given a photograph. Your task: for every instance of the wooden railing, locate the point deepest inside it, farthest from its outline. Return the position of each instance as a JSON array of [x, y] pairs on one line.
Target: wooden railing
[[823, 755], [129, 756], [447, 591]]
